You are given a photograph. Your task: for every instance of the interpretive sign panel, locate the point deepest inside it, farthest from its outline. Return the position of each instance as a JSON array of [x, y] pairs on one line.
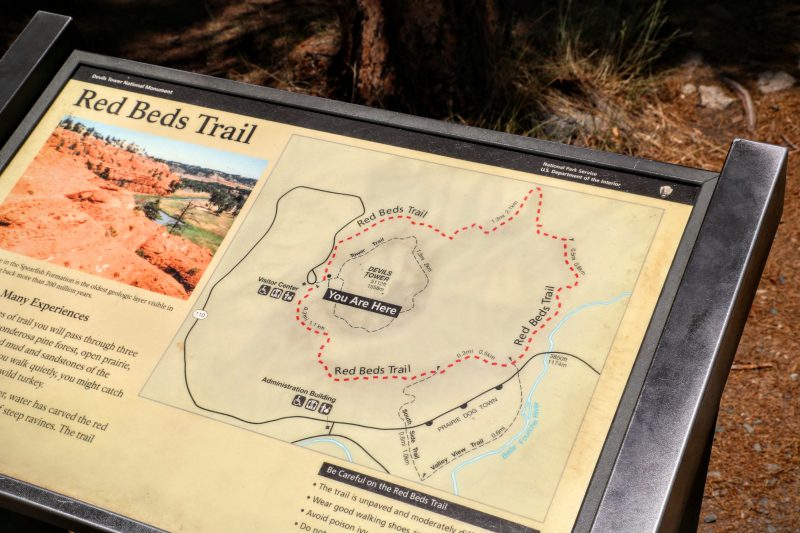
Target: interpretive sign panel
[[223, 312]]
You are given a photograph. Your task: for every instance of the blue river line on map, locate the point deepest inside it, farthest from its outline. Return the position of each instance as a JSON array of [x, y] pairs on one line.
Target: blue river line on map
[[530, 411], [344, 448]]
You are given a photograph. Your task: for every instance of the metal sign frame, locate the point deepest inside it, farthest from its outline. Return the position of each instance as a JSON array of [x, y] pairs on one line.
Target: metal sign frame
[[651, 471]]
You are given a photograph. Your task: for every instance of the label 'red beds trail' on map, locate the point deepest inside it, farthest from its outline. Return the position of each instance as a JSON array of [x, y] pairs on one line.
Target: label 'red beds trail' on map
[[448, 331]]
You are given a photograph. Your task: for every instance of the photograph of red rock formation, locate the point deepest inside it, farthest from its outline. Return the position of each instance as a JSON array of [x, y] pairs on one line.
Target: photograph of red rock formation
[[126, 206]]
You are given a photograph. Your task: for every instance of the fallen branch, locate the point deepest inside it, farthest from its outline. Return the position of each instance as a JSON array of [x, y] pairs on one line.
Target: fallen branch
[[747, 102], [752, 366], [789, 143]]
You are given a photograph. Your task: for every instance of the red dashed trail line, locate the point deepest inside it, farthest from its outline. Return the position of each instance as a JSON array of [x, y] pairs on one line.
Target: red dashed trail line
[[535, 195]]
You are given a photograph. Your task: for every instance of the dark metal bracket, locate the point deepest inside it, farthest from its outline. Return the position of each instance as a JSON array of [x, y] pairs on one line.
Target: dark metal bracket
[[30, 63]]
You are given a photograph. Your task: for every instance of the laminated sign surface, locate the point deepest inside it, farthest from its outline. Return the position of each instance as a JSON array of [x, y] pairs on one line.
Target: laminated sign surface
[[221, 314]]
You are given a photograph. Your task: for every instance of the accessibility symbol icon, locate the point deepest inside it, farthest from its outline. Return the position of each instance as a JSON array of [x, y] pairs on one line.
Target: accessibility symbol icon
[[299, 400], [264, 290]]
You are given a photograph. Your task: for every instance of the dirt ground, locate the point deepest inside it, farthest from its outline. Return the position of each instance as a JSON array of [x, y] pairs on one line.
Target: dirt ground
[[753, 482]]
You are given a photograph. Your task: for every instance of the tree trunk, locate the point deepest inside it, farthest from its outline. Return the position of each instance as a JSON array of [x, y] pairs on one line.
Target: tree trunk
[[430, 57]]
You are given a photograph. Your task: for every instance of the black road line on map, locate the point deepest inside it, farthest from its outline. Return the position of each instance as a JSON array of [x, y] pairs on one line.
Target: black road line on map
[[428, 423], [239, 262], [333, 243], [235, 266], [502, 433], [347, 438], [423, 477]]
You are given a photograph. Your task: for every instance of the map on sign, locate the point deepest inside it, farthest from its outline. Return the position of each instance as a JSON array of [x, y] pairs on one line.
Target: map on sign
[[438, 323]]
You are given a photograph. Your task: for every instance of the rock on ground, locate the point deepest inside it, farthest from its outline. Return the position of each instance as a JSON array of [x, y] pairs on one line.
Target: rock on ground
[[713, 97], [772, 82]]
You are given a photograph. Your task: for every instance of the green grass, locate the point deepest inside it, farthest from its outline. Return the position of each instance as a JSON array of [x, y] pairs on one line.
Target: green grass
[[198, 216], [578, 71], [199, 236], [142, 198], [200, 226]]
